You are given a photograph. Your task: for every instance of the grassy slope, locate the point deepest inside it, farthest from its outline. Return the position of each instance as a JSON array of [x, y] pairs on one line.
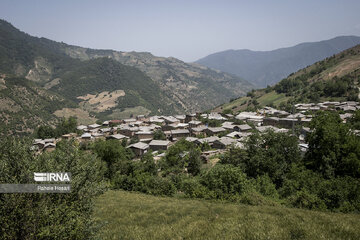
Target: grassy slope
[[139, 216]]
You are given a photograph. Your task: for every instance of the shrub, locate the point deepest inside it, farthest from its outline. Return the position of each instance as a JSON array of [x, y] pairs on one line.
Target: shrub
[[226, 180]]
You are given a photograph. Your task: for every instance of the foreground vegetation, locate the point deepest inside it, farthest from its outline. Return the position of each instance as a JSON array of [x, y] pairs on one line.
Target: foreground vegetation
[[269, 172], [52, 215], [139, 216]]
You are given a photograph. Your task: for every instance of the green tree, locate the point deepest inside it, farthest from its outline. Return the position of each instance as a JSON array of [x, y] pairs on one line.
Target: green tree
[[226, 180], [44, 132], [333, 149], [354, 121], [193, 161], [114, 155], [48, 216], [159, 135], [267, 153], [66, 126]]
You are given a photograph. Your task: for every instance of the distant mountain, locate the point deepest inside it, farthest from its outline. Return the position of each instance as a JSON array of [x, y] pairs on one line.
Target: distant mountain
[[336, 78], [106, 84], [264, 68], [192, 86]]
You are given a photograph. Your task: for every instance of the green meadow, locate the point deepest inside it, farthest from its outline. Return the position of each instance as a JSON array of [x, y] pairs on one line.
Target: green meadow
[[128, 215]]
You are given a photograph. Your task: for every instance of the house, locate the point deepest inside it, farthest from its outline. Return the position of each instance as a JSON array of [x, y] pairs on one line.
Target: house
[[266, 128], [39, 143], [181, 118], [209, 140], [81, 127], [157, 145], [114, 122], [234, 134], [179, 133], [94, 126], [140, 117], [197, 130], [190, 117], [242, 128], [68, 136], [129, 120], [191, 139], [116, 137], [144, 136], [49, 140], [303, 147], [216, 116], [227, 125], [223, 142], [214, 130], [49, 147], [105, 131], [128, 131], [182, 125], [169, 127], [139, 148], [170, 119], [194, 123], [273, 121], [288, 122], [157, 120], [86, 137], [347, 108]]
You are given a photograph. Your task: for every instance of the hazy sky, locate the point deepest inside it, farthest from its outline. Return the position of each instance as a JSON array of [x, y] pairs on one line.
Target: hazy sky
[[187, 30]]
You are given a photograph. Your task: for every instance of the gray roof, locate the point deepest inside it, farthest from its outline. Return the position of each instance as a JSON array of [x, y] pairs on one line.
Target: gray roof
[[216, 129], [159, 143], [208, 139], [264, 128], [244, 127], [179, 131], [95, 125], [198, 129], [117, 136], [195, 122], [139, 145], [86, 135], [191, 139], [226, 141]]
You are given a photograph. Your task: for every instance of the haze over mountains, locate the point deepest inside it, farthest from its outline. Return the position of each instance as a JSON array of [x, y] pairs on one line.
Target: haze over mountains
[[100, 84], [264, 68]]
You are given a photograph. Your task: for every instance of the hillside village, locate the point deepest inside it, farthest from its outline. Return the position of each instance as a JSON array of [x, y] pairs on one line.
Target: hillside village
[[225, 130]]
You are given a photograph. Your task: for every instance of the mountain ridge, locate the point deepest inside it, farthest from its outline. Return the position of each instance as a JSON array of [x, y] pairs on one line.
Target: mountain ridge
[[336, 78], [148, 84], [264, 68]]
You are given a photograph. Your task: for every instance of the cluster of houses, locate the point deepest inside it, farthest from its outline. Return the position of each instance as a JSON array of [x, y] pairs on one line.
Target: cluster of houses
[[191, 128]]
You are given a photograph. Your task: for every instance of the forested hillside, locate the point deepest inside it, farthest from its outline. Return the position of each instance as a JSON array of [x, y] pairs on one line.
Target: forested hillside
[[24, 105]]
